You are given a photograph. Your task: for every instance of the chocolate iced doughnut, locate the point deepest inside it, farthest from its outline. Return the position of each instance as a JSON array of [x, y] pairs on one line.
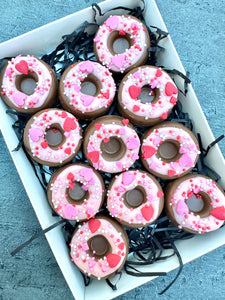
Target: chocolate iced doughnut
[[99, 247], [135, 198], [52, 137], [147, 95], [76, 192], [121, 43], [28, 84], [86, 89], [195, 203], [169, 150], [111, 144]]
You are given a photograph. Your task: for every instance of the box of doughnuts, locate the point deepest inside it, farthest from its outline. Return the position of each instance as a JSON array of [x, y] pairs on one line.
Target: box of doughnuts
[[112, 147]]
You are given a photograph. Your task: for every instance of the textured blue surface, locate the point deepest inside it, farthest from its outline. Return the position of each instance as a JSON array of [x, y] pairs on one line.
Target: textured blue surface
[[197, 30]]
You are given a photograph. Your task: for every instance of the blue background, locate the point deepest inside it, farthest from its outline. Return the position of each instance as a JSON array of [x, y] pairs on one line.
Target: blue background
[[197, 30]]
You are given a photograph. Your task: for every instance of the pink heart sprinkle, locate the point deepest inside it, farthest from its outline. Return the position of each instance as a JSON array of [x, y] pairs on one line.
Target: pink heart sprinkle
[[70, 211], [91, 262], [97, 39], [156, 141], [86, 66], [133, 143], [153, 166], [87, 173], [104, 268], [122, 130], [67, 134], [119, 165], [136, 75], [128, 178], [139, 217], [191, 147], [87, 100], [182, 208], [35, 133], [114, 212], [77, 88], [174, 165], [183, 150], [92, 181], [85, 247], [112, 22], [19, 98], [186, 161], [121, 189], [150, 197], [35, 100], [90, 148], [90, 211], [118, 60], [196, 190], [8, 71], [135, 156]]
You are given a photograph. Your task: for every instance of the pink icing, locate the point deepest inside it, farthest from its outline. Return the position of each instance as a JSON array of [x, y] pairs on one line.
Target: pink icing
[[142, 215], [42, 89], [91, 265], [122, 24], [147, 76], [186, 218], [89, 179], [72, 87]]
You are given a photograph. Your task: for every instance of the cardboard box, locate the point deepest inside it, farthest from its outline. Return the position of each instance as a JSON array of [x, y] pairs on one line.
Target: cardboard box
[[191, 249]]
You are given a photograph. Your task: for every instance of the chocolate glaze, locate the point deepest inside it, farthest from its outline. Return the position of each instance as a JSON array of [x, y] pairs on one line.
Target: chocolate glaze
[[114, 149]]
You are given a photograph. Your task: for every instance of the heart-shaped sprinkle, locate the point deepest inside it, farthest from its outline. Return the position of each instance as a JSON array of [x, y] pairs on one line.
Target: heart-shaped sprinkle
[[133, 143], [87, 99], [35, 133], [70, 211], [44, 144], [97, 39], [85, 246], [128, 178], [134, 91], [158, 73], [173, 100], [174, 165], [182, 208], [186, 161], [147, 212], [171, 173], [121, 246], [121, 189], [119, 165], [150, 197], [156, 141], [106, 94], [170, 89], [70, 176], [137, 75], [153, 166], [113, 260], [122, 32], [19, 98], [106, 140], [136, 108], [71, 185], [93, 156], [77, 88], [63, 114], [122, 130], [98, 126], [218, 213], [112, 22], [125, 123], [183, 150], [160, 194], [148, 151], [113, 212], [135, 156], [91, 262], [87, 173], [118, 60], [22, 67], [164, 116], [86, 66], [94, 225], [69, 124], [68, 150]]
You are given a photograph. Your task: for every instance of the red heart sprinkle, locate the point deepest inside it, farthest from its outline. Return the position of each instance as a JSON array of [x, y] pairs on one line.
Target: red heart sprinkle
[[122, 32], [69, 124], [173, 100], [106, 94], [160, 194], [44, 145], [125, 122], [149, 151], [171, 173], [158, 73], [113, 260], [106, 140], [164, 116], [136, 108], [68, 151], [121, 246], [22, 67], [70, 176], [93, 156], [170, 89], [98, 126], [147, 212], [63, 114], [218, 213], [134, 91], [94, 225], [71, 185]]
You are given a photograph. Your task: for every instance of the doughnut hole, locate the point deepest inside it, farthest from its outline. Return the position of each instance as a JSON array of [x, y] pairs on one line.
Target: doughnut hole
[[199, 204], [149, 95], [114, 149], [26, 83], [77, 194], [118, 43], [168, 151], [135, 197], [54, 136], [99, 246], [91, 86]]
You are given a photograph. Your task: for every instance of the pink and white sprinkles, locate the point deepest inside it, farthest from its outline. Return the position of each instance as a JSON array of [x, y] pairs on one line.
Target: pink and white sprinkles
[[103, 133], [142, 215], [188, 150], [87, 103], [155, 78], [38, 144], [89, 264], [122, 24], [90, 182], [22, 65], [188, 219]]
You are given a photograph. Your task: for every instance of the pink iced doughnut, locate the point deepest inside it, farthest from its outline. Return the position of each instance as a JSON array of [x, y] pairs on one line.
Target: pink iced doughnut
[[76, 192], [27, 69], [52, 137], [147, 111], [99, 247], [111, 144], [87, 73], [207, 216], [169, 150], [124, 27], [135, 198]]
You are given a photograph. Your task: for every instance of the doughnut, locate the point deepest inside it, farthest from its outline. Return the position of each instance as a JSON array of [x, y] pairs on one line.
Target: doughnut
[[135, 198], [195, 203], [76, 192], [147, 95], [99, 247], [86, 89], [111, 144], [52, 137], [169, 150], [28, 84], [121, 43]]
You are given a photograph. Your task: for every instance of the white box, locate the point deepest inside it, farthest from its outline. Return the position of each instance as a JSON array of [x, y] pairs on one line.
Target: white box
[[191, 249]]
